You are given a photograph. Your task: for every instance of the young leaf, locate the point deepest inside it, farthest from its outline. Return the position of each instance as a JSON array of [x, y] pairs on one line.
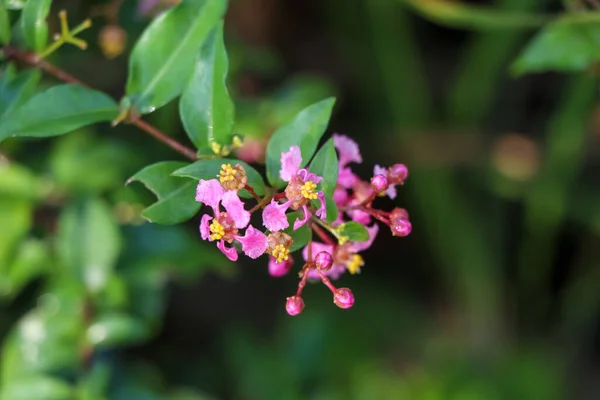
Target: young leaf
[[33, 24], [176, 196], [37, 386], [163, 58], [206, 110], [305, 130], [209, 169], [15, 92], [58, 110], [116, 329], [325, 164], [89, 242], [302, 235], [4, 24], [561, 46], [354, 231]]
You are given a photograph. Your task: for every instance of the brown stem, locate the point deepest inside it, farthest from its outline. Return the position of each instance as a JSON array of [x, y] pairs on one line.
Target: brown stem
[[35, 61], [302, 282], [250, 190], [326, 281], [174, 144], [320, 233]]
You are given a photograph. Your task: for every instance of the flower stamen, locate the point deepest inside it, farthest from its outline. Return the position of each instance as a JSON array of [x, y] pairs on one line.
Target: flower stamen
[[217, 230], [281, 253], [308, 190], [355, 263]]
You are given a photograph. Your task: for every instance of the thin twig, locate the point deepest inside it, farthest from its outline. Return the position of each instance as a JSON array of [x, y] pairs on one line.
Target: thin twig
[[320, 233], [172, 143]]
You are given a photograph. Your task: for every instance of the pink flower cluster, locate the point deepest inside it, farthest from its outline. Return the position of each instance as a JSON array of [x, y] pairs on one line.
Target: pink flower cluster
[[326, 259]]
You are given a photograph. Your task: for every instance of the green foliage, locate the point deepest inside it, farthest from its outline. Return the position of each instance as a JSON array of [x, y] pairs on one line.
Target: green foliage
[[302, 235], [354, 231], [4, 24], [561, 46], [305, 131], [206, 109], [58, 110], [113, 329], [33, 23], [325, 164], [15, 91], [162, 60], [176, 196], [209, 169], [89, 242]]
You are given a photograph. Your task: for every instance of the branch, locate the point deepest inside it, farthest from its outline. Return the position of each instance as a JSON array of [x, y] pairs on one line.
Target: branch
[[35, 61]]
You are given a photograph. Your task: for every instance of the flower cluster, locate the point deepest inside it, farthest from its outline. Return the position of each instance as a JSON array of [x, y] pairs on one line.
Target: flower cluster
[[332, 253]]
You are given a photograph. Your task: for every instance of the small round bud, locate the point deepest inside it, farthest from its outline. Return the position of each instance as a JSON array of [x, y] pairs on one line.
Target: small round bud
[[397, 174], [294, 305], [400, 227], [379, 183], [112, 41], [323, 261], [278, 269], [343, 298], [399, 213], [233, 178]]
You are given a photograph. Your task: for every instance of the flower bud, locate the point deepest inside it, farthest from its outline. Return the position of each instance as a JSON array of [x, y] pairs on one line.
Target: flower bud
[[112, 40], [379, 183], [323, 261], [397, 174], [399, 213], [294, 305], [233, 178], [400, 227], [277, 269], [343, 298]]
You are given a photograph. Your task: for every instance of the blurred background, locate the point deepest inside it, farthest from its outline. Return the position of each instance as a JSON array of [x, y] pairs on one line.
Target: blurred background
[[494, 295]]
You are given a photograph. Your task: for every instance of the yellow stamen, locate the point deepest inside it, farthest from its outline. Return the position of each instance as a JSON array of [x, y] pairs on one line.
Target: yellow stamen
[[281, 253], [217, 230], [308, 190], [355, 263], [227, 173]]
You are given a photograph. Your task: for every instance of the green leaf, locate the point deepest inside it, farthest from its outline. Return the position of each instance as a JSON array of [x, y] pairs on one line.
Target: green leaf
[[206, 109], [15, 219], [15, 92], [561, 46], [39, 387], [17, 182], [354, 231], [4, 24], [209, 169], [305, 131], [58, 110], [116, 329], [89, 242], [301, 235], [176, 196], [15, 4], [31, 260], [325, 164], [34, 26], [163, 58]]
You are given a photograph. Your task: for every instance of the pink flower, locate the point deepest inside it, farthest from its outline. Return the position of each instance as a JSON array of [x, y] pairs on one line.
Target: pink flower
[[391, 190], [347, 148], [235, 209], [254, 242], [277, 269], [334, 272], [274, 218], [290, 163], [210, 193]]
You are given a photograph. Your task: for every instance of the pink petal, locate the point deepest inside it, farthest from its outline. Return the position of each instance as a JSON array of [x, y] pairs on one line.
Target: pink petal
[[210, 193], [347, 148], [205, 226], [254, 242], [379, 170], [359, 216], [230, 252], [280, 269], [346, 178], [391, 192], [309, 176], [274, 218], [235, 209], [357, 247], [290, 163], [298, 223], [316, 249], [340, 196], [322, 211]]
